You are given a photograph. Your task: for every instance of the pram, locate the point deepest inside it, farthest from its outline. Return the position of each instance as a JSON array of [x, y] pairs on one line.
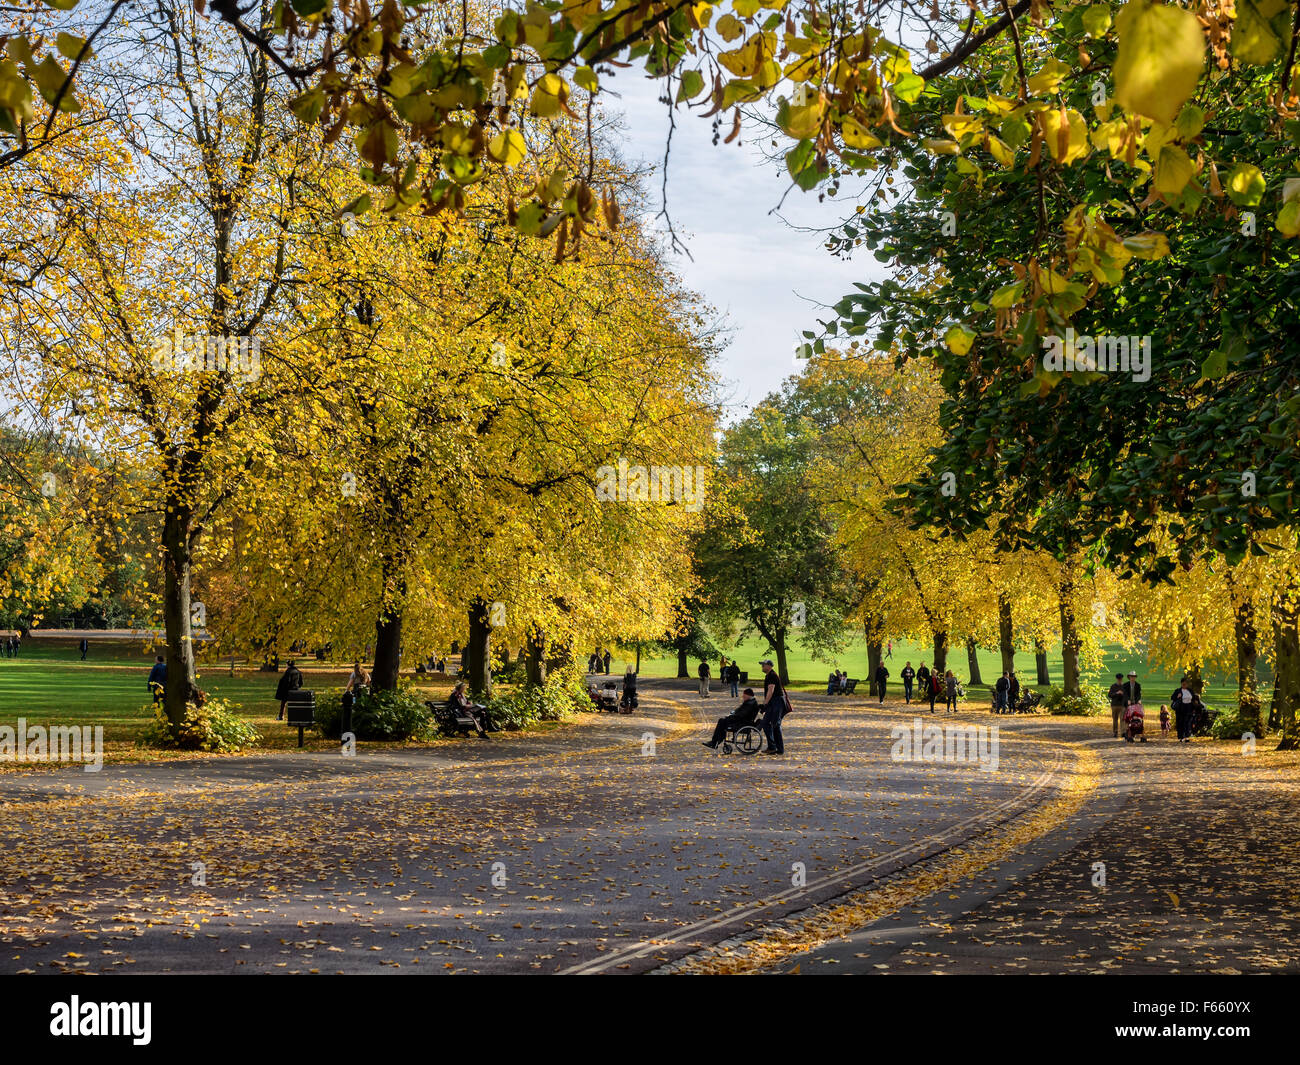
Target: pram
[[1135, 724]]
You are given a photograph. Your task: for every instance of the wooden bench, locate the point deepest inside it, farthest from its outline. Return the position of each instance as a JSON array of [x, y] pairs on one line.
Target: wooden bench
[[457, 718], [300, 710], [850, 686]]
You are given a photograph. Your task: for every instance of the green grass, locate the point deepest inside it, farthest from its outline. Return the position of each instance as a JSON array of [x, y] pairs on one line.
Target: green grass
[[48, 684], [808, 672]]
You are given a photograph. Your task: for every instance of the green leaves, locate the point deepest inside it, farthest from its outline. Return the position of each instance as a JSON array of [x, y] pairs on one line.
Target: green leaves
[[1160, 60], [692, 84], [1096, 20]]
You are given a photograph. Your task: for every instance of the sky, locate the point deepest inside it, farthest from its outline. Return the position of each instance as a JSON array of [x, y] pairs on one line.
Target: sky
[[770, 281]]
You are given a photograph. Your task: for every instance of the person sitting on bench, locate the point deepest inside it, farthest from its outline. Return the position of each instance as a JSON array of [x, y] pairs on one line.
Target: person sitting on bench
[[460, 705], [745, 714]]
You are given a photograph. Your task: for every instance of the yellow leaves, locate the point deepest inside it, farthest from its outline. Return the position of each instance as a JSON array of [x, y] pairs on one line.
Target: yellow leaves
[[800, 122], [1148, 245], [856, 135], [1065, 132], [1245, 185], [1258, 34], [1160, 60], [960, 125], [1174, 169], [70, 46], [745, 60], [1096, 20], [729, 28], [1049, 78], [550, 96], [939, 146], [959, 339], [1007, 296], [508, 147]]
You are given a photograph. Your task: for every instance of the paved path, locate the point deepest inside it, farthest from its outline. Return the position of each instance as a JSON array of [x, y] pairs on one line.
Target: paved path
[[617, 845], [1200, 850]]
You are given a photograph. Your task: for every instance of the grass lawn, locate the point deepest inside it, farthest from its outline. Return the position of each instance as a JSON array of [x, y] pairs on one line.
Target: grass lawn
[[48, 684], [808, 672]]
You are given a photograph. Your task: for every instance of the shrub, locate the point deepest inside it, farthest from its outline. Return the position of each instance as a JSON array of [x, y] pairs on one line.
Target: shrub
[[382, 715], [211, 727], [561, 694], [1091, 701]]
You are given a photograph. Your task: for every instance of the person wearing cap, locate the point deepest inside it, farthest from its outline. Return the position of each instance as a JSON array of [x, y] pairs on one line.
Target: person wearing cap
[[773, 708], [745, 714]]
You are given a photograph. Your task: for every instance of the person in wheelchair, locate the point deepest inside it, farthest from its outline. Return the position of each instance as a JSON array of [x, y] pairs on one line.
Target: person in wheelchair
[[745, 714]]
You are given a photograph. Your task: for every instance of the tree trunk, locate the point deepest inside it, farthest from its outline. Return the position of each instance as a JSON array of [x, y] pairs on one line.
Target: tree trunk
[[940, 653], [1069, 640], [535, 652], [973, 663], [1243, 626], [388, 633], [1286, 663], [683, 667], [638, 656], [478, 651], [781, 670], [1040, 663], [181, 686], [1006, 633], [873, 660]]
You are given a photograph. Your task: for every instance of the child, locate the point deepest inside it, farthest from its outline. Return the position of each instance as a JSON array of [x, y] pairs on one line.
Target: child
[[1134, 723], [1164, 722]]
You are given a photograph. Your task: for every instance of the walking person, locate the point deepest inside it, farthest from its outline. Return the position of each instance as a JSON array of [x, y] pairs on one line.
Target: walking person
[[1118, 703], [1013, 689], [923, 683], [606, 661], [290, 681], [84, 647], [882, 675], [1186, 705], [703, 672], [1001, 693], [774, 708], [157, 681], [734, 679], [908, 675], [1132, 689], [932, 683], [950, 692], [889, 649]]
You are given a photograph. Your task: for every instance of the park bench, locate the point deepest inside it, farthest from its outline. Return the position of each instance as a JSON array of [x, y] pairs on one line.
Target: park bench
[[850, 686], [300, 710], [448, 717]]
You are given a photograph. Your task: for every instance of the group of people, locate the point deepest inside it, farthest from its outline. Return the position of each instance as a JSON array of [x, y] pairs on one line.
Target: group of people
[[12, 645], [774, 707], [1126, 710], [728, 674], [598, 661], [837, 683], [926, 684], [1006, 692]]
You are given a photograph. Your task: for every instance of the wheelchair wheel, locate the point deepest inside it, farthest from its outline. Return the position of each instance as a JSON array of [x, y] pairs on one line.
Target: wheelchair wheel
[[749, 740], [726, 747]]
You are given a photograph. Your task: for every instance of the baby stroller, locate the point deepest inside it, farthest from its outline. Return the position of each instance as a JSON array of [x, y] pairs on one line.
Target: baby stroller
[[1027, 703], [1135, 724]]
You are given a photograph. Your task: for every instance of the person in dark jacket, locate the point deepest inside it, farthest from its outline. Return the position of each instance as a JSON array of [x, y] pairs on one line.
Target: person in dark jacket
[[745, 714], [1187, 708], [773, 708], [605, 661], [157, 681], [1118, 703], [459, 704], [1001, 693], [908, 675], [923, 683], [1013, 688], [1132, 689], [84, 648], [882, 675], [290, 681]]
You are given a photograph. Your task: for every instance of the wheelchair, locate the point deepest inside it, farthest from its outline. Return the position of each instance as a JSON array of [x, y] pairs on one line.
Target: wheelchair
[[747, 739]]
